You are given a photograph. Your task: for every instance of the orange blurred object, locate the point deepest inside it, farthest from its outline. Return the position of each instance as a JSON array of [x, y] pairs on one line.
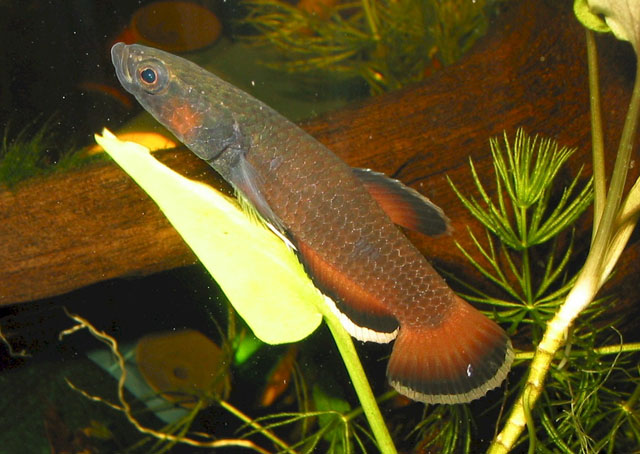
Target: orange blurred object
[[279, 378], [322, 9], [152, 140], [172, 26], [183, 366], [108, 90]]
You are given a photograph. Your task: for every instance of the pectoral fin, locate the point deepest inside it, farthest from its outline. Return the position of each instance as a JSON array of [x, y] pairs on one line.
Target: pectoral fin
[[405, 206], [248, 185]]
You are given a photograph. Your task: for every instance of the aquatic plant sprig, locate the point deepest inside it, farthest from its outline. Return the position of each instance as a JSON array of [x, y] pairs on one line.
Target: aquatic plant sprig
[[386, 44], [544, 294], [583, 401], [521, 218], [34, 152], [336, 421], [525, 171], [613, 220], [535, 286], [446, 429]]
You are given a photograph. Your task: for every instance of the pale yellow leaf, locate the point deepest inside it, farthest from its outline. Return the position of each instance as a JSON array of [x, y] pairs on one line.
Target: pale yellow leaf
[[260, 275]]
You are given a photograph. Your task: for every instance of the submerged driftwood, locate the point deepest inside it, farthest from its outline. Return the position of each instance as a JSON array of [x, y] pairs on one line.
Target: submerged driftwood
[[73, 229]]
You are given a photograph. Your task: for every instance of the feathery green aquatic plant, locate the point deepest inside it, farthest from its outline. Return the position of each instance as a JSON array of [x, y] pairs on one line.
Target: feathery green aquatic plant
[[33, 152], [599, 412], [385, 43], [528, 212], [529, 256]]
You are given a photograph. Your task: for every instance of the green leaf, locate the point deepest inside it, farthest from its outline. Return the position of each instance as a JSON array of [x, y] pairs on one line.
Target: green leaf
[[260, 275], [589, 19]]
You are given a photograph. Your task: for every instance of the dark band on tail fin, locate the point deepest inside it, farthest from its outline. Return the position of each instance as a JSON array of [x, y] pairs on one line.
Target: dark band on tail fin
[[455, 362]]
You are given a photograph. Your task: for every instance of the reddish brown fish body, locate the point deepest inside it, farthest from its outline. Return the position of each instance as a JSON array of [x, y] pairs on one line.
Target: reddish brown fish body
[[382, 286], [347, 240]]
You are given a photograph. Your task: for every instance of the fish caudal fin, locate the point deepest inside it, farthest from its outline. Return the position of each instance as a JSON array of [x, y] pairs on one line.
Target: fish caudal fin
[[455, 362]]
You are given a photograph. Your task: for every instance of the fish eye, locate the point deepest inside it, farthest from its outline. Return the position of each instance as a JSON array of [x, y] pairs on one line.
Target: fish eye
[[148, 76], [152, 77]]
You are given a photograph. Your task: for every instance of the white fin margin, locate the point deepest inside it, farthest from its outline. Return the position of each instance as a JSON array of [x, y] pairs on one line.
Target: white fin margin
[[360, 332], [453, 399]]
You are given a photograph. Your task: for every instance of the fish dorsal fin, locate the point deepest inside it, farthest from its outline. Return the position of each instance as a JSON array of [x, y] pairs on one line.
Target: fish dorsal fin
[[405, 206]]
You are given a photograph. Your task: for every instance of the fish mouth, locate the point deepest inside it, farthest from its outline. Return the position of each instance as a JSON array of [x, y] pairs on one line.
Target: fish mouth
[[120, 59]]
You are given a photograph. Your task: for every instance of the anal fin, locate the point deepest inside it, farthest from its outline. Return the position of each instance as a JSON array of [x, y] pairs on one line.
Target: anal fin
[[362, 333], [360, 312]]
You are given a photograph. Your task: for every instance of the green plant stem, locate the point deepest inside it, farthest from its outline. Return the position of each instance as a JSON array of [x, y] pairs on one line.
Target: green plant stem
[[606, 350], [371, 19], [627, 412], [630, 404], [255, 425], [591, 278], [360, 382], [526, 277], [619, 177], [597, 142]]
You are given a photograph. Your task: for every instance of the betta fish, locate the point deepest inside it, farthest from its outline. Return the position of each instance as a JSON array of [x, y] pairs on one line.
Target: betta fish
[[341, 222]]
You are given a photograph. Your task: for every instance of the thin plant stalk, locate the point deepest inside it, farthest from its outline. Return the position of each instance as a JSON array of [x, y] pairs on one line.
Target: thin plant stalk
[[591, 278], [597, 142], [600, 351], [359, 379], [371, 19], [255, 425]]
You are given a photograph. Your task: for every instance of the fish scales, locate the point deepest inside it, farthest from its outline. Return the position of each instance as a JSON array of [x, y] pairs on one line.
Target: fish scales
[[364, 243], [381, 285]]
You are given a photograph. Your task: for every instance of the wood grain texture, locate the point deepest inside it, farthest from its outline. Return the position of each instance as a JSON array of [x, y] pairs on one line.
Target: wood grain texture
[[73, 229]]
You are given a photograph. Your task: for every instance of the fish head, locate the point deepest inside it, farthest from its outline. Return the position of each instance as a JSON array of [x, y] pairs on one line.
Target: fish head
[[179, 94]]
